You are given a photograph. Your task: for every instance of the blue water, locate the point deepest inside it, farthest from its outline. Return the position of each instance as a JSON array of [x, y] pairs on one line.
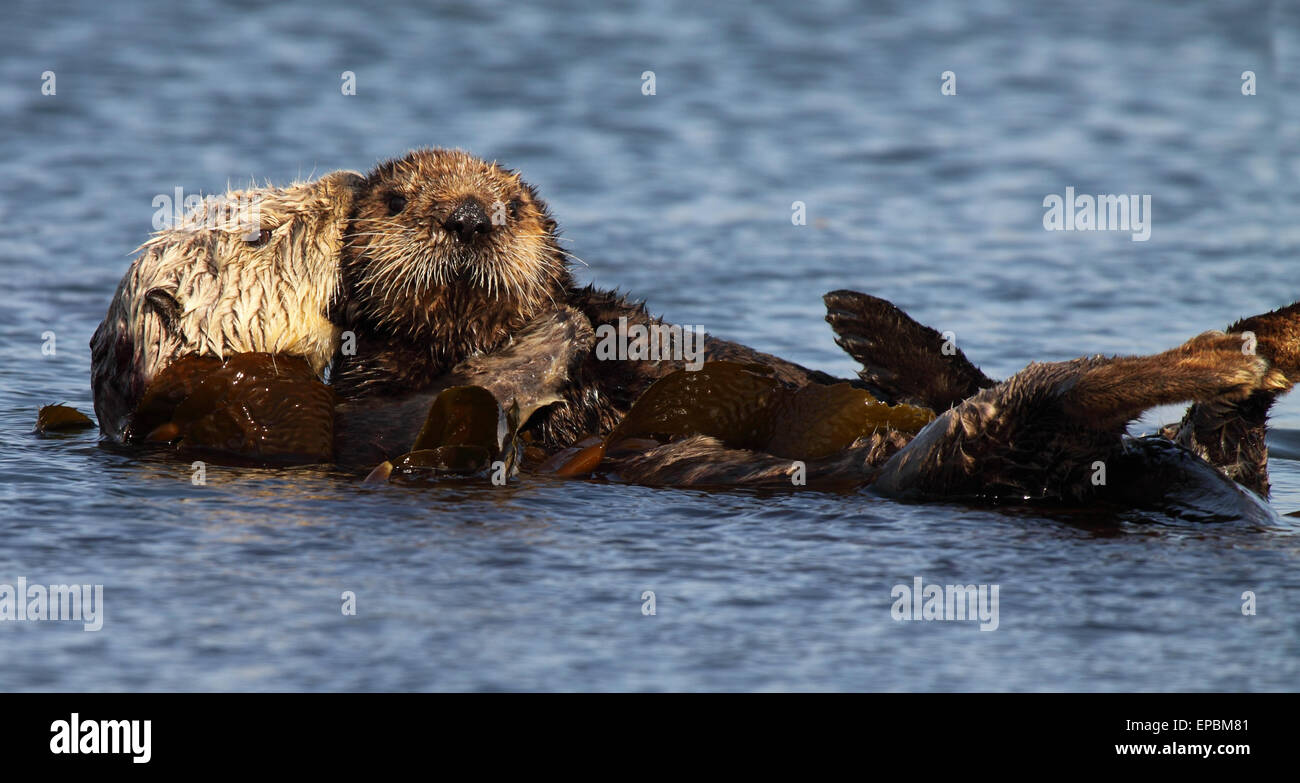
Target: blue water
[[683, 198]]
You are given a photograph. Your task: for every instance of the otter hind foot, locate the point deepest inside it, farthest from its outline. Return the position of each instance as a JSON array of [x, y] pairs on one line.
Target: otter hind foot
[[1276, 336], [910, 360]]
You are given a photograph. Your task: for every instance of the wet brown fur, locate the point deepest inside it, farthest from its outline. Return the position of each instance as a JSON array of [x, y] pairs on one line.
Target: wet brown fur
[[900, 355], [703, 461], [419, 298]]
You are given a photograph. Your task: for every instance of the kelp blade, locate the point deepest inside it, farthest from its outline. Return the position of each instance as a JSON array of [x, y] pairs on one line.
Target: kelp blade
[[61, 418], [463, 416], [746, 408]]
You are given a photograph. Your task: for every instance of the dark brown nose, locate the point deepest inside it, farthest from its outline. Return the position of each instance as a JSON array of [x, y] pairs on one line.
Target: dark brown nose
[[468, 220]]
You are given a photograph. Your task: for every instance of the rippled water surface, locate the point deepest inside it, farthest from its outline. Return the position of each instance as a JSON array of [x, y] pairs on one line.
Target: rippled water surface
[[683, 198]]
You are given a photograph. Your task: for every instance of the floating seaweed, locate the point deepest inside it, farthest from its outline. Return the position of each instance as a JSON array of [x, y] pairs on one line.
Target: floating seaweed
[[743, 406], [61, 418], [257, 406], [466, 433]]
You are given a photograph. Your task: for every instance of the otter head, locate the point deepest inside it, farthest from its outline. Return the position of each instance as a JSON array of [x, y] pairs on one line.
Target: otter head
[[253, 271], [446, 256]]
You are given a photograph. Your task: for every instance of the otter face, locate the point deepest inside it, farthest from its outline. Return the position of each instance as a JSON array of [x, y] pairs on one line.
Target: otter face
[[218, 284], [450, 252]]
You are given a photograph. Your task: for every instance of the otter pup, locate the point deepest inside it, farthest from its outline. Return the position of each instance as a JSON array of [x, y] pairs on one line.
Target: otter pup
[[215, 286], [446, 257]]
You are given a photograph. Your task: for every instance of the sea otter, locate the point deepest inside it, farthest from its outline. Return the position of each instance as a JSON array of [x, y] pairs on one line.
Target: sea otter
[[446, 257], [250, 274], [447, 270]]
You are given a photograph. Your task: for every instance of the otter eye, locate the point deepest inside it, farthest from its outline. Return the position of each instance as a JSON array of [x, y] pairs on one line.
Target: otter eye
[[262, 238], [396, 203], [514, 206]]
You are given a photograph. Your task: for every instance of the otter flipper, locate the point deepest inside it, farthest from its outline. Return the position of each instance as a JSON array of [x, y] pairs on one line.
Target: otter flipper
[[1230, 434], [1049, 429], [898, 354]]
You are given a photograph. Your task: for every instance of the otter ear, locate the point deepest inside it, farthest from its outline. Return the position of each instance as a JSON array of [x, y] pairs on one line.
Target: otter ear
[[162, 302], [349, 180], [345, 177], [338, 191], [349, 183]]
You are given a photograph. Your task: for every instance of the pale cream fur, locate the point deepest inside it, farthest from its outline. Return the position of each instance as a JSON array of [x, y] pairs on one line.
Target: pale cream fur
[[235, 290]]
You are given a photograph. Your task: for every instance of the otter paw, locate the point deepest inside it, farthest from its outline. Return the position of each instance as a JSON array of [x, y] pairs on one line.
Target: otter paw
[[1277, 338], [1230, 365]]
